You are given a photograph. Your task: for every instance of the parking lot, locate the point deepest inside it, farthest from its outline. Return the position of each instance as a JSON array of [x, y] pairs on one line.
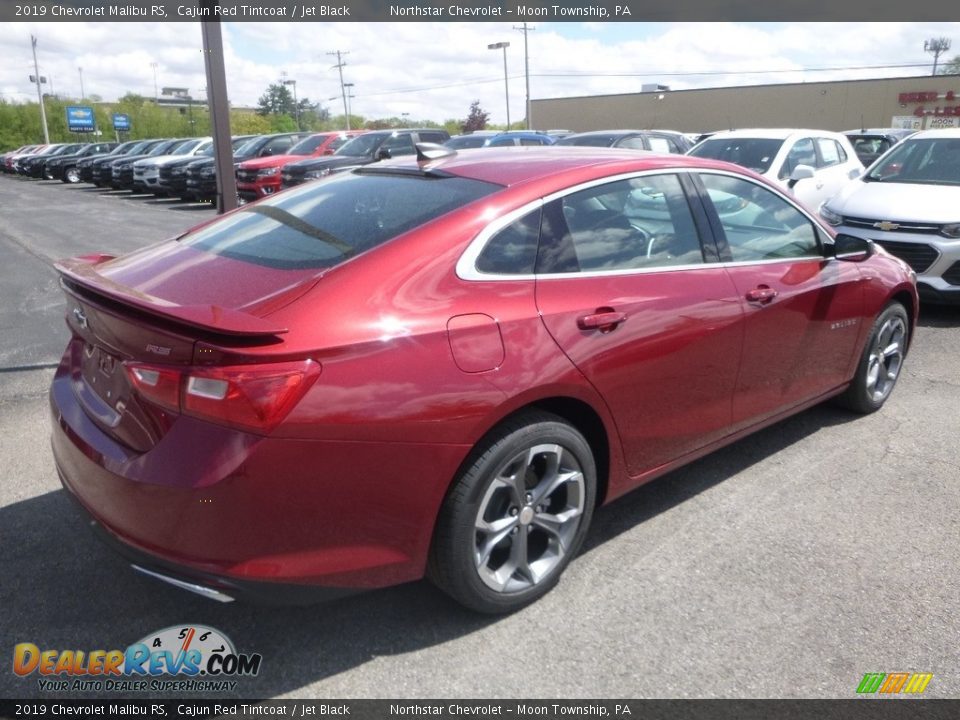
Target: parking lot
[[786, 565]]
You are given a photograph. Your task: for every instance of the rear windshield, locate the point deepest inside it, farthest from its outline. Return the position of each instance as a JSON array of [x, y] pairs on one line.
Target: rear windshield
[[324, 223], [754, 153], [590, 140]]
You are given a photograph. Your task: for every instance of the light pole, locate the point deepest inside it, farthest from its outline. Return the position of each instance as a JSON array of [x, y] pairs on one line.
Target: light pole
[[296, 103], [82, 93], [936, 47], [506, 85]]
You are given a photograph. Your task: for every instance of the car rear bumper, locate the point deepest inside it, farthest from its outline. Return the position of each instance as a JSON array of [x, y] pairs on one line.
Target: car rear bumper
[[221, 508]]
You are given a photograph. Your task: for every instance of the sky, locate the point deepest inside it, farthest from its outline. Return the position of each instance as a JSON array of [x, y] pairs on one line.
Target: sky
[[434, 71]]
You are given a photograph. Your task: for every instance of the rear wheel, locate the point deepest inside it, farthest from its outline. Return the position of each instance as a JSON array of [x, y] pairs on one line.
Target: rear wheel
[[881, 361], [516, 516]]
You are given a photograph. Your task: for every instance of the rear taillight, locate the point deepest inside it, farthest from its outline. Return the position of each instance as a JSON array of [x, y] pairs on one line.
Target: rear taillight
[[252, 397]]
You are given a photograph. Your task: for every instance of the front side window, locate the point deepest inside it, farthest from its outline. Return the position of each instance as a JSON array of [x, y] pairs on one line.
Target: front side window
[[758, 223], [399, 145], [802, 153], [642, 222]]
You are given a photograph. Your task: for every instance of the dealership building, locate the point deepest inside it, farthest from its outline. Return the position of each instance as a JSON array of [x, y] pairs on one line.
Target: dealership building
[[911, 102]]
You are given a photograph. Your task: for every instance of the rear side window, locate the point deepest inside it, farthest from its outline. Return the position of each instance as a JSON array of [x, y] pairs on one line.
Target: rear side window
[[325, 223], [513, 250], [829, 152]]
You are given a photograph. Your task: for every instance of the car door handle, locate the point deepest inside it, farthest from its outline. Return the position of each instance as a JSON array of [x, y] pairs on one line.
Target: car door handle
[[761, 295], [602, 321]]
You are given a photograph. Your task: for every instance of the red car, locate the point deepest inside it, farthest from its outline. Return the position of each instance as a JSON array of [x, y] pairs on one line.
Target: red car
[[260, 177], [442, 366]]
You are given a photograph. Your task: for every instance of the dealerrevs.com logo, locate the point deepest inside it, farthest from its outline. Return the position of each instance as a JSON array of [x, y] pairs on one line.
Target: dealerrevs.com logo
[[198, 658]]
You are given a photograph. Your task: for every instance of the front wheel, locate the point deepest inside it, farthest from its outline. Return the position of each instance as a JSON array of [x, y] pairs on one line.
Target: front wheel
[[881, 362], [516, 516], [71, 176]]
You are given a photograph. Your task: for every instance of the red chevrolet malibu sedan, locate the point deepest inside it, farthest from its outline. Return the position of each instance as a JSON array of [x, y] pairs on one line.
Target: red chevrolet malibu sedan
[[442, 365]]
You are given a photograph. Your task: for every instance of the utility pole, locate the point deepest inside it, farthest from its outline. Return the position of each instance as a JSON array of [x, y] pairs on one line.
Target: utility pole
[[82, 93], [526, 65], [343, 90], [936, 47], [43, 110], [156, 92]]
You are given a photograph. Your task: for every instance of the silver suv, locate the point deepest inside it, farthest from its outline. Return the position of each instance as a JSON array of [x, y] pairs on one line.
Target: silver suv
[[909, 203]]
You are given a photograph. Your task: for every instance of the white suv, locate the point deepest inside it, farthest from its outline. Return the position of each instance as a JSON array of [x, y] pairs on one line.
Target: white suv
[[909, 202], [813, 164]]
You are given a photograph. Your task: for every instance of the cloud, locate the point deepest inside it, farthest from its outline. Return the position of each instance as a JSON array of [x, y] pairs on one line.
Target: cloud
[[435, 70]]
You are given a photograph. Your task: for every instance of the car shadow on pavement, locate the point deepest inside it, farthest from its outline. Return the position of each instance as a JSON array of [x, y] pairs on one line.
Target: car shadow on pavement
[[677, 486], [63, 588]]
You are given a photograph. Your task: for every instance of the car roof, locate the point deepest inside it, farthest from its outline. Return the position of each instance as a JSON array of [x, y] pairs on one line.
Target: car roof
[[772, 133], [939, 132], [519, 164]]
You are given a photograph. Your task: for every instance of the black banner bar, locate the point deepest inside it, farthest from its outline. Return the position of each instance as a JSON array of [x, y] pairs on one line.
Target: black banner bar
[[855, 709], [475, 11]]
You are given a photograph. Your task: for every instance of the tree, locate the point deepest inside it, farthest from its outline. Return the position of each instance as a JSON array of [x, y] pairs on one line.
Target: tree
[[277, 100], [951, 67], [476, 120]]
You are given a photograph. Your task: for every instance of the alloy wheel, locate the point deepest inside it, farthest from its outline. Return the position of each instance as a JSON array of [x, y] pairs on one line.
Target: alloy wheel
[[886, 358], [528, 518]]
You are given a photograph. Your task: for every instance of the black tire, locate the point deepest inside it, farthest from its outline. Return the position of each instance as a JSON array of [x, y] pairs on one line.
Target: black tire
[[71, 175], [499, 546], [880, 363]]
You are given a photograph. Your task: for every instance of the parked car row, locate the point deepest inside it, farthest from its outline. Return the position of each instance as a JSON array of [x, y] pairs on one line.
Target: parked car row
[[824, 170], [907, 200]]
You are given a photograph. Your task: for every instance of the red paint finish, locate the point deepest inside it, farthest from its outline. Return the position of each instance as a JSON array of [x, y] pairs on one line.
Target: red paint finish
[[475, 342], [410, 364]]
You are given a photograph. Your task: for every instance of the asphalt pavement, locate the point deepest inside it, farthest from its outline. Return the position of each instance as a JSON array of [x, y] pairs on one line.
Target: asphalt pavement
[[786, 565]]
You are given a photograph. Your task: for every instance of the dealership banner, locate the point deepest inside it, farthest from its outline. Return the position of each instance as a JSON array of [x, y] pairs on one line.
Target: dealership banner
[[466, 11], [80, 119], [488, 709]]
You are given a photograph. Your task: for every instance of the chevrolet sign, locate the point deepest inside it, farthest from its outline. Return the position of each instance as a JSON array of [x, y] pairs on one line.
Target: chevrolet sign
[[886, 225]]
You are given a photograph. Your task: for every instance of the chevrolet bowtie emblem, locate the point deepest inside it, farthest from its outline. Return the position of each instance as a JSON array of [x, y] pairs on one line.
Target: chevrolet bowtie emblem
[[886, 225]]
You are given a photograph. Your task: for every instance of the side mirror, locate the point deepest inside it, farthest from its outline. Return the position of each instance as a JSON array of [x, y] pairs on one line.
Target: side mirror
[[800, 172], [383, 154], [850, 249]]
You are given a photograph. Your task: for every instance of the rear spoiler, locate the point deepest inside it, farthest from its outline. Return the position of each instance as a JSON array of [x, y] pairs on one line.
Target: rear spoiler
[[82, 271]]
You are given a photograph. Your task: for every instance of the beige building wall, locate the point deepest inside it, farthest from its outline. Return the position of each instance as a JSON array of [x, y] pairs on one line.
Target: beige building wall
[[838, 106]]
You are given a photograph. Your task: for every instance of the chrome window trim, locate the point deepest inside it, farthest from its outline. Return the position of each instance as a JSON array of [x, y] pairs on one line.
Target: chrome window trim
[[466, 265]]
